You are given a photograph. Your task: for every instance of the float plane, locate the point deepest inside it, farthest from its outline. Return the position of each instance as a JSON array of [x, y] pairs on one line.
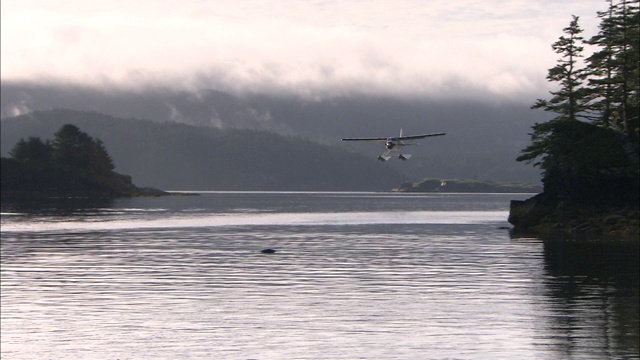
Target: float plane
[[395, 143]]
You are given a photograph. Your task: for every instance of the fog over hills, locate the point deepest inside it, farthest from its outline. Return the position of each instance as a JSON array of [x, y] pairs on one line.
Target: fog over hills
[[483, 139], [173, 156]]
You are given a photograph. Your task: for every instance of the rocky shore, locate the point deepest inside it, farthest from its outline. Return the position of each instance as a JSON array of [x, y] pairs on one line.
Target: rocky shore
[[542, 217]]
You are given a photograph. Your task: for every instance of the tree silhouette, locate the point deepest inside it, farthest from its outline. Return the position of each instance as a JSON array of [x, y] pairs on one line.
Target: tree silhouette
[[73, 163], [34, 150], [569, 101], [581, 161], [614, 78], [72, 148]]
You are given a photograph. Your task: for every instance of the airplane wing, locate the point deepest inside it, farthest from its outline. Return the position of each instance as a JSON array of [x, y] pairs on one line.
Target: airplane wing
[[395, 138], [366, 139], [415, 137]]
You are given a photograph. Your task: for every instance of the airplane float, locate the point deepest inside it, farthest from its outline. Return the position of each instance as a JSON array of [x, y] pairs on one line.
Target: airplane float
[[395, 143]]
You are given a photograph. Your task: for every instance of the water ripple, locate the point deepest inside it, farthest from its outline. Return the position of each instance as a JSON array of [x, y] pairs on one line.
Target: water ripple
[[344, 285]]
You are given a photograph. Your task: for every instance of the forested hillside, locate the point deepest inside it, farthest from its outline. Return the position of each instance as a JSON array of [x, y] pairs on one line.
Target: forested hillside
[[173, 156], [482, 138]]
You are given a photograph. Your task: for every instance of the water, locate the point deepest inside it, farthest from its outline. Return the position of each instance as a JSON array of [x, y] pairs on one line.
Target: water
[[355, 276]]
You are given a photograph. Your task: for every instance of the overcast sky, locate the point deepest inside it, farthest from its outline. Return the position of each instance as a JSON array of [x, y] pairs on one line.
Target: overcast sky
[[497, 49]]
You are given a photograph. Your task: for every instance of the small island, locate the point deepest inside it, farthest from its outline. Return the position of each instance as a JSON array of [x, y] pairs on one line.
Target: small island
[[466, 186], [73, 165]]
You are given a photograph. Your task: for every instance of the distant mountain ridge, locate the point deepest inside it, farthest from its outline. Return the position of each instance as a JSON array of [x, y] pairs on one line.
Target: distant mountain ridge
[[173, 156], [483, 139]]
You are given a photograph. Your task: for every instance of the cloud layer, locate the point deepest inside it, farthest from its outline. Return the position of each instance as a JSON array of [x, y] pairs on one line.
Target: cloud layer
[[460, 48]]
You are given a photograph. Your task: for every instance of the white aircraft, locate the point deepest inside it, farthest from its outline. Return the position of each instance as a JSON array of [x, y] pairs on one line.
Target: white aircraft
[[394, 143]]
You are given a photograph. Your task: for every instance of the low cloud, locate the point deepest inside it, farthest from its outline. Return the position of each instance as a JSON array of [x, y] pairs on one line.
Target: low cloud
[[480, 49]]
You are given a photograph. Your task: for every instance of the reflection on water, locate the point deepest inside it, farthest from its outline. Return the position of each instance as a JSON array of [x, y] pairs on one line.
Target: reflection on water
[[595, 290], [365, 276]]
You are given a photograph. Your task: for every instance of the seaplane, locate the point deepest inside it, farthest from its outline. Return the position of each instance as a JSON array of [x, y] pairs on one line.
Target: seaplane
[[395, 143]]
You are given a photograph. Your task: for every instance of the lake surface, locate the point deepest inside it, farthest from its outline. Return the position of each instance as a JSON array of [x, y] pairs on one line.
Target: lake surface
[[354, 276]]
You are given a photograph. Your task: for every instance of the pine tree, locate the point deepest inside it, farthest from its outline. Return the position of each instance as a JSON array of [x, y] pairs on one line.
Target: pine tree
[[20, 151], [72, 148], [74, 163], [614, 69], [33, 150], [101, 162], [581, 161], [569, 101]]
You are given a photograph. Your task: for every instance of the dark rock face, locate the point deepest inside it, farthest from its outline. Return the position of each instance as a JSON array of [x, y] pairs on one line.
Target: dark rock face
[[526, 213], [543, 217]]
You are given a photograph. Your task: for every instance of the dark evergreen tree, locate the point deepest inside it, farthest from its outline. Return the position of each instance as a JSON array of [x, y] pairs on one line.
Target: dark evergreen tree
[[73, 148], [614, 68], [583, 163], [101, 162], [34, 150], [569, 101], [20, 151], [580, 161], [75, 163]]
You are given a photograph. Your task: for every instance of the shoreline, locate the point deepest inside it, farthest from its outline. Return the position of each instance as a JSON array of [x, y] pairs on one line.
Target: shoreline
[[13, 196], [541, 218]]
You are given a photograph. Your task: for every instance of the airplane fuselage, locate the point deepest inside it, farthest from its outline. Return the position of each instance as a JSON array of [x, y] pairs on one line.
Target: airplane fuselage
[[390, 144]]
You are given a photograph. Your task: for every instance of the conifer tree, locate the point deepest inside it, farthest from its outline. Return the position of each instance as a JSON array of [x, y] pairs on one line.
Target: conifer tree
[[614, 68], [33, 150], [20, 151], [590, 162], [73, 163], [101, 162], [72, 147], [569, 101]]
